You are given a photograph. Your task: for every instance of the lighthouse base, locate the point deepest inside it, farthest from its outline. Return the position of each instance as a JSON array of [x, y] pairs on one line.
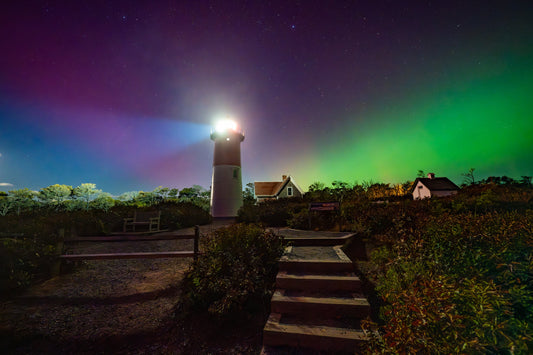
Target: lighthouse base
[[226, 191]]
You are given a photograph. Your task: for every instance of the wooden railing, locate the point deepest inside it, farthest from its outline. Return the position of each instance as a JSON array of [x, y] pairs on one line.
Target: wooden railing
[[134, 255]]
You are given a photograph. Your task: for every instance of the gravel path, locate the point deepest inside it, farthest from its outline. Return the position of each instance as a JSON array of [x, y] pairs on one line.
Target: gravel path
[[103, 306]]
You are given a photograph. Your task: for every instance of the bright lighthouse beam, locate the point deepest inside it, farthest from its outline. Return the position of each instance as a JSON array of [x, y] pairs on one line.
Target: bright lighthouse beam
[[225, 125]]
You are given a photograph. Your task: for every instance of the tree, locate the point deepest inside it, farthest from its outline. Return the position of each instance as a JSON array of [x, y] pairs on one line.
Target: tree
[[103, 201], [379, 190], [22, 199], [420, 174], [188, 192], [316, 186], [162, 192], [147, 198], [5, 205], [525, 180], [86, 192], [469, 177], [173, 193], [55, 194], [128, 196], [248, 195]]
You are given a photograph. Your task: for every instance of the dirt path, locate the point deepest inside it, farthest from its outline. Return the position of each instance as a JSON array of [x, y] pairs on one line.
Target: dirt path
[[112, 306]]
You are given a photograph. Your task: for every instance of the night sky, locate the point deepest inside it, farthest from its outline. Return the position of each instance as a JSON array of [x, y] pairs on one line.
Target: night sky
[[123, 94]]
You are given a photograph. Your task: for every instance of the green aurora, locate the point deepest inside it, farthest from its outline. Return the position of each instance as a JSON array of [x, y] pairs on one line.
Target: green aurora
[[480, 120]]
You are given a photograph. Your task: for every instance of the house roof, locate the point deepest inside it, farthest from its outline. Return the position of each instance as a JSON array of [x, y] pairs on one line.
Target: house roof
[[273, 188], [267, 188], [436, 184]]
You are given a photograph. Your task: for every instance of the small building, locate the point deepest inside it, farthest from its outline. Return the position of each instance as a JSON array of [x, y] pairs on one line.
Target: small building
[[273, 190], [433, 187]]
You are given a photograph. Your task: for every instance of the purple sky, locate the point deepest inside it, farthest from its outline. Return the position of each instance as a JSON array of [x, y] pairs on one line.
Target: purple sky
[[123, 93]]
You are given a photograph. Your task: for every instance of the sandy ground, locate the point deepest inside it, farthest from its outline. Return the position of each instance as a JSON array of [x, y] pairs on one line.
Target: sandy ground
[[104, 306]]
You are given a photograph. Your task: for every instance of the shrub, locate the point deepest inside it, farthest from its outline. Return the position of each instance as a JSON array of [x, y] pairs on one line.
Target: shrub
[[27, 250], [235, 275], [460, 283]]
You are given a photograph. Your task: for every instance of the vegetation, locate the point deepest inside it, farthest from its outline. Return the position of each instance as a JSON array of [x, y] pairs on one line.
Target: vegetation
[[235, 276], [456, 282], [30, 222], [452, 275]]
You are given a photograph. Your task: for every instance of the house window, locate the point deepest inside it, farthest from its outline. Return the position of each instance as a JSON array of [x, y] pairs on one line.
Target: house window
[[235, 173], [289, 191]]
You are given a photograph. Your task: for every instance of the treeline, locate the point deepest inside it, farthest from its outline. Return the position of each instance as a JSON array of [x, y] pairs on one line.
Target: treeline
[[87, 197], [32, 223]]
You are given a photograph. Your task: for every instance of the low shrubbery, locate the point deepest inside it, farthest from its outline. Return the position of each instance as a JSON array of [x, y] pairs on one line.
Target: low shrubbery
[[28, 241], [235, 275], [457, 283], [274, 213]]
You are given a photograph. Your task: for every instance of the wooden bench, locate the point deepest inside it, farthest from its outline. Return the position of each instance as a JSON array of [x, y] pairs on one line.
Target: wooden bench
[[143, 218]]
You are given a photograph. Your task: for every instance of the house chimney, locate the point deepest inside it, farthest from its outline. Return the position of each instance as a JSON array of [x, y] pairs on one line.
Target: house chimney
[[431, 175], [283, 177]]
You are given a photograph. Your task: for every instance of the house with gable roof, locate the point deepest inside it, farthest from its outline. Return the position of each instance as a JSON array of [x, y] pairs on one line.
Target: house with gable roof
[[433, 187], [273, 190]]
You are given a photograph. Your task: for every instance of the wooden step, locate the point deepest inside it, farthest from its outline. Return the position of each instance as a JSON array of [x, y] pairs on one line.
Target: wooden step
[[289, 281], [310, 336], [318, 241], [316, 266], [321, 306]]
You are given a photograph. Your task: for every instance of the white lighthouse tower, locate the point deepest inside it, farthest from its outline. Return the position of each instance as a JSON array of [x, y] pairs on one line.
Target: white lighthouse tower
[[226, 185]]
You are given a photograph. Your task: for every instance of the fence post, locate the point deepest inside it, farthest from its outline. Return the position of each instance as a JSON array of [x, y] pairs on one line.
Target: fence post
[[56, 266], [196, 238]]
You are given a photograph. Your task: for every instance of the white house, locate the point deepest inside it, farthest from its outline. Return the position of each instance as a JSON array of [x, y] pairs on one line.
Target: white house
[[433, 187], [273, 190]]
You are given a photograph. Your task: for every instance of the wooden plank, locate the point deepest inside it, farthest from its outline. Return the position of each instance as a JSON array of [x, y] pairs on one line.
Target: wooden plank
[[315, 266], [139, 255], [121, 238], [318, 282], [333, 306], [313, 337]]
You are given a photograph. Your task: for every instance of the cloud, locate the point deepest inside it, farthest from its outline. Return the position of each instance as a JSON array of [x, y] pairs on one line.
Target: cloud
[[5, 184]]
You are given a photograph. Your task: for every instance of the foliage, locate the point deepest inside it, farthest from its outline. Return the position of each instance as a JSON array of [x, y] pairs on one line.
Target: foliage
[[27, 248], [234, 275], [28, 241], [469, 178], [86, 192], [248, 195], [456, 283], [5, 205], [273, 213], [55, 194], [22, 199]]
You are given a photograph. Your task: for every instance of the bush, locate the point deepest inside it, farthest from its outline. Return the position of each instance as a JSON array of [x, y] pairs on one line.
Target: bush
[[459, 283], [235, 275], [175, 215], [31, 254], [274, 213], [27, 251]]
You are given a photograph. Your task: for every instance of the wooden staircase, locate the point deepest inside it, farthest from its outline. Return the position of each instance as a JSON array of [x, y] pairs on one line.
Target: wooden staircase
[[317, 305]]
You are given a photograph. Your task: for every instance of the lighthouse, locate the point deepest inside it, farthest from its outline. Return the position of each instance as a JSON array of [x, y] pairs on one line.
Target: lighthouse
[[226, 184]]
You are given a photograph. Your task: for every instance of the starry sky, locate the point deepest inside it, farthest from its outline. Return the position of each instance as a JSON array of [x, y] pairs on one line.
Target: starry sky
[[123, 94]]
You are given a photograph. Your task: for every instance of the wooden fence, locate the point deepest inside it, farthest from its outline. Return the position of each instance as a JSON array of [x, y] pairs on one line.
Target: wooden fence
[[135, 255]]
